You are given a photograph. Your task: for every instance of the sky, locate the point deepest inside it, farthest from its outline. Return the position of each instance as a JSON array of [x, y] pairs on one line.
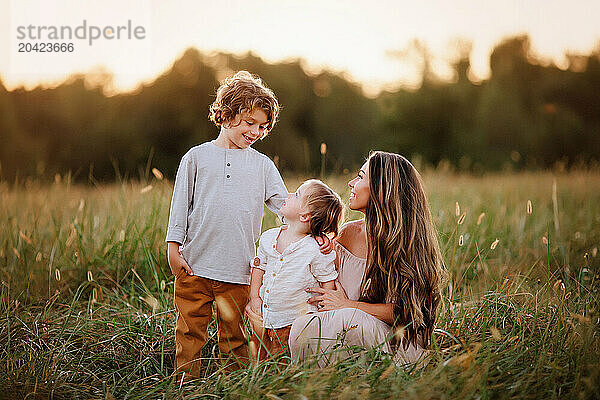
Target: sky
[[365, 40]]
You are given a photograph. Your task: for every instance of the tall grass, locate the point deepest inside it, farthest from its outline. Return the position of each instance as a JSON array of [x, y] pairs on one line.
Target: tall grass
[[86, 298]]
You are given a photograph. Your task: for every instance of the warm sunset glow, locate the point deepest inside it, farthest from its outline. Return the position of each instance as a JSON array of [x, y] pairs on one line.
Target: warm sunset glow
[[370, 41]]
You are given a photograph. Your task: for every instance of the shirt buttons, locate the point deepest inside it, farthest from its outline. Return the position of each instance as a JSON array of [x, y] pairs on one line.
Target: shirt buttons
[[274, 274], [281, 259], [265, 305], [228, 176], [267, 291], [229, 165]]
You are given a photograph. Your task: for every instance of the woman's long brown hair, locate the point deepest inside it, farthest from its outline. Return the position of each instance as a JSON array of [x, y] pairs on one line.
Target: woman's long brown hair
[[404, 263]]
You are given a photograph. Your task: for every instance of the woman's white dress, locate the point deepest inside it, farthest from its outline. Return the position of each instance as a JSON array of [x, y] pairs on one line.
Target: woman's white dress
[[329, 333]]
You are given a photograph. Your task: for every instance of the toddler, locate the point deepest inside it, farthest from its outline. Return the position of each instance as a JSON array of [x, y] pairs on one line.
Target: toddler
[[289, 261]]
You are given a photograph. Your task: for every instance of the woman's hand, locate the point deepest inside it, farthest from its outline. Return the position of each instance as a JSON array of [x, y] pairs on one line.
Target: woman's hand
[[176, 261], [325, 244], [329, 299]]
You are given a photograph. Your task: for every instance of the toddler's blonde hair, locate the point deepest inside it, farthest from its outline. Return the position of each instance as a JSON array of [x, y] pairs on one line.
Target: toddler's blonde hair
[[325, 207]]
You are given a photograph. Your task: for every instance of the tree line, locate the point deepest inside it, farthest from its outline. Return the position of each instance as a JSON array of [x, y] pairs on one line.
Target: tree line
[[528, 114]]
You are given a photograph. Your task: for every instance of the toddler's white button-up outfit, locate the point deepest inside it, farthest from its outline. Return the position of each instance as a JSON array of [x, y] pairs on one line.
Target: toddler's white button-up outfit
[[288, 275]]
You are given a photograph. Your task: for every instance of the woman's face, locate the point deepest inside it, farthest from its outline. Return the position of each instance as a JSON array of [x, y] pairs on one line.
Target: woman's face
[[359, 189]]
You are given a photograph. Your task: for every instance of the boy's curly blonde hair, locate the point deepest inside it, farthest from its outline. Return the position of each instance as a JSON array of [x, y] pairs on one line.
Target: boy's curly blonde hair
[[244, 92]]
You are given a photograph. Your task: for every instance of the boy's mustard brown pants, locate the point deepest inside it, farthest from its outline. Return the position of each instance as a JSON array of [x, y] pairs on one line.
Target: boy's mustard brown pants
[[194, 296]]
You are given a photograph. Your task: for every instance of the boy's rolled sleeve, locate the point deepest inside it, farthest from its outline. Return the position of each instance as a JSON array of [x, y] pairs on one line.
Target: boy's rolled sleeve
[[323, 267], [275, 190], [183, 196]]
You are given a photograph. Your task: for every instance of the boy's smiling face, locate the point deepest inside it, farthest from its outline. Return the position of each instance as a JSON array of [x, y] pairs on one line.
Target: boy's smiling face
[[245, 129]]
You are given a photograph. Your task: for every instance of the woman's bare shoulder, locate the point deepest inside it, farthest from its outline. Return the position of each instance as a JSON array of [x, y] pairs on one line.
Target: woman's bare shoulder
[[352, 236]]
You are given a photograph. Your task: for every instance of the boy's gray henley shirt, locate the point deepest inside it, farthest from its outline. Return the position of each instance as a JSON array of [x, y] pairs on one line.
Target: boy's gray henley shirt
[[217, 207]]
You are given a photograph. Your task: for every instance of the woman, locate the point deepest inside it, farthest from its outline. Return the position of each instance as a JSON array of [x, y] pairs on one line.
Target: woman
[[390, 271]]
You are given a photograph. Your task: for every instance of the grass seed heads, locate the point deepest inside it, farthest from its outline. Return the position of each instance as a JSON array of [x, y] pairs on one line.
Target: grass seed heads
[[494, 244], [480, 218], [157, 174]]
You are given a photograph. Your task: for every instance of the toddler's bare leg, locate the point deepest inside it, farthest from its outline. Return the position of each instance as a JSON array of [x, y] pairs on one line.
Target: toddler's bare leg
[[279, 342], [258, 337]]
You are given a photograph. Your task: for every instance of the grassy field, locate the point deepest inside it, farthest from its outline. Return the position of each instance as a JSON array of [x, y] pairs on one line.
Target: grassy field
[[86, 307]]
